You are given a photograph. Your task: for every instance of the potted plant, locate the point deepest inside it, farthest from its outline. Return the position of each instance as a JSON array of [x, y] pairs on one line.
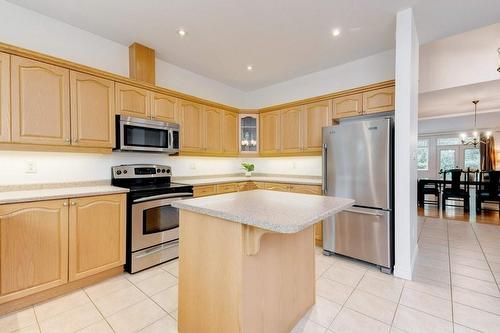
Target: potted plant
[[249, 167]]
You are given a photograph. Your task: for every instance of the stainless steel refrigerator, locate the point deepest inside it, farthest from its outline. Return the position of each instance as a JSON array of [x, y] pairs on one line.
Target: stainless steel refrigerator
[[358, 164]]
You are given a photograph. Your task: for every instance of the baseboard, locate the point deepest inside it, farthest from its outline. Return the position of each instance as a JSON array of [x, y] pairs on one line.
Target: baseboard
[[407, 272]]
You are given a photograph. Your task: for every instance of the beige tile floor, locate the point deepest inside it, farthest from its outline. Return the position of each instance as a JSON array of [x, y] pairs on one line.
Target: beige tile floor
[[455, 289]]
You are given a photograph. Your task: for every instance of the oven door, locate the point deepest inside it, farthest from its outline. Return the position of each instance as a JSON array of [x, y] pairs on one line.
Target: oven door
[[154, 220], [144, 135]]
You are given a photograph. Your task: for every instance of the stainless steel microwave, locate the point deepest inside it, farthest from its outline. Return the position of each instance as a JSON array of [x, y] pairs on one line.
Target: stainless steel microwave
[[137, 134]]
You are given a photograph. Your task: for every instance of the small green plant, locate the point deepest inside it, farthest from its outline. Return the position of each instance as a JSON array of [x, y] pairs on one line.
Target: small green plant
[[249, 167]]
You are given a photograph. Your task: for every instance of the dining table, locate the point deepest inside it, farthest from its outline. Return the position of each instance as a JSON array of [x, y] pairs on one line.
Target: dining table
[[422, 182]]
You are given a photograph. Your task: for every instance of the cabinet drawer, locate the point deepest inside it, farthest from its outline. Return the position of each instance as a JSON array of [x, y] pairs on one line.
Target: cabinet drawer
[[278, 187], [306, 189], [201, 191], [260, 185], [247, 186], [226, 188]]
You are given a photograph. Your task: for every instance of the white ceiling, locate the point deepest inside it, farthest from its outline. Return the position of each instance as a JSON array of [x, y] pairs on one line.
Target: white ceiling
[[282, 39], [458, 101]]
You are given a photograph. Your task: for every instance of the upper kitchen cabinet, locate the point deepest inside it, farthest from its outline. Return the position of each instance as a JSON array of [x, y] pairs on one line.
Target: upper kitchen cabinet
[[164, 107], [347, 106], [40, 103], [379, 100], [33, 247], [230, 133], [132, 101], [292, 130], [270, 133], [317, 116], [191, 115], [92, 111], [4, 97], [212, 125], [249, 134]]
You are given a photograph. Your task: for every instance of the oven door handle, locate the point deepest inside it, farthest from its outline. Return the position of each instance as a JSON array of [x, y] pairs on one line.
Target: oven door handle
[[164, 196]]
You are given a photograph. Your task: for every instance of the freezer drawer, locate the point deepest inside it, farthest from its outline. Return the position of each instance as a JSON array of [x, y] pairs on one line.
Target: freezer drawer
[[360, 233]]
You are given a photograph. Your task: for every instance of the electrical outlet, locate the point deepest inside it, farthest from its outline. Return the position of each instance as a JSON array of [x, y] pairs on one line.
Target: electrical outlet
[[30, 167]]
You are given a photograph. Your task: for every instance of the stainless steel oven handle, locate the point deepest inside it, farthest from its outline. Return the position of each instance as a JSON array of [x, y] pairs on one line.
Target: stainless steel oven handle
[[170, 143], [362, 212], [164, 196], [156, 249]]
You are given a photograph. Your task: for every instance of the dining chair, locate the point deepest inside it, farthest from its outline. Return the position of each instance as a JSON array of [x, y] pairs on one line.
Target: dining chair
[[455, 190], [429, 188], [488, 191]]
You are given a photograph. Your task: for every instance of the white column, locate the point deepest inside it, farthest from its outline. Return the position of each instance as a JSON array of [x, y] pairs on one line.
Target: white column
[[406, 122]]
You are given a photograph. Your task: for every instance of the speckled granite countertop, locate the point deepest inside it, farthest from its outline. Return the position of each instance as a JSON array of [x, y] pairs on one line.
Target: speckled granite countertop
[[58, 191], [282, 212], [211, 180]]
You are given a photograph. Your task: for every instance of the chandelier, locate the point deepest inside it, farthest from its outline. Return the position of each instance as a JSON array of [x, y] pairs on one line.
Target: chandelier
[[475, 139]]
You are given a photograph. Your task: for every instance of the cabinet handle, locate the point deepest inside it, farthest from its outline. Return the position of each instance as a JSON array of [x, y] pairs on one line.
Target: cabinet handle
[[73, 203], [65, 204], [67, 140]]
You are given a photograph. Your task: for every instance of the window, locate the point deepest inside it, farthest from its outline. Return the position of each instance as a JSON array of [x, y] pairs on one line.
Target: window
[[423, 155], [447, 159], [472, 158], [448, 141]]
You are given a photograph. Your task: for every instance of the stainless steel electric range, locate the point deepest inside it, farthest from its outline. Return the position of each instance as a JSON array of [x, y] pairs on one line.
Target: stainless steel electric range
[[152, 222]]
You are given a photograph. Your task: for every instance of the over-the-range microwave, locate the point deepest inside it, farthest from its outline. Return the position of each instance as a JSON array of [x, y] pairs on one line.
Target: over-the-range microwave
[[145, 135]]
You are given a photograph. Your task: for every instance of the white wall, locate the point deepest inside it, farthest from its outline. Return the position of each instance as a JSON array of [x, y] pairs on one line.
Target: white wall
[[406, 129], [459, 60], [372, 69], [25, 28]]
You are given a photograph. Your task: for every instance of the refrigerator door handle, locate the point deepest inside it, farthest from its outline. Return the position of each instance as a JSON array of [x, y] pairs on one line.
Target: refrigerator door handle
[[324, 170], [362, 212]]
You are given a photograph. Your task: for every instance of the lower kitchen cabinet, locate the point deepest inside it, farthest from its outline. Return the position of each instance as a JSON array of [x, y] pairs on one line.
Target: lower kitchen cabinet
[[96, 235], [33, 247], [46, 244]]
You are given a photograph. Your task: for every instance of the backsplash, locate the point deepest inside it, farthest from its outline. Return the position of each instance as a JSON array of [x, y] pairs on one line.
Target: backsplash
[[43, 167]]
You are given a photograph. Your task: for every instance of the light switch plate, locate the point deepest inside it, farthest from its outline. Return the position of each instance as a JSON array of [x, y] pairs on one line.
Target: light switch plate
[[30, 167]]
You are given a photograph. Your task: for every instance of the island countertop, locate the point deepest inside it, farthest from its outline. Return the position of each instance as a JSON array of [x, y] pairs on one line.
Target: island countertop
[[281, 212]]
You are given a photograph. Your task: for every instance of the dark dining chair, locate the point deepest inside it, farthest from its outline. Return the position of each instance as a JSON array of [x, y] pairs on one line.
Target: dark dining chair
[[488, 191], [428, 188], [455, 190]]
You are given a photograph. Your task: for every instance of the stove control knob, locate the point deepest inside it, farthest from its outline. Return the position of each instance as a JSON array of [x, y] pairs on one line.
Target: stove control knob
[[158, 170], [163, 170], [124, 172], [168, 170], [119, 172]]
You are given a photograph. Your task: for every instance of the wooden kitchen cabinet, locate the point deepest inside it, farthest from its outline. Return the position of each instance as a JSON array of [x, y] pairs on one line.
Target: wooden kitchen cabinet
[[347, 106], [132, 101], [292, 129], [4, 97], [230, 142], [163, 107], [278, 187], [270, 133], [311, 189], [227, 188], [33, 247], [204, 190], [96, 234], [247, 186], [212, 126], [92, 111], [191, 126], [380, 100], [317, 115], [40, 103]]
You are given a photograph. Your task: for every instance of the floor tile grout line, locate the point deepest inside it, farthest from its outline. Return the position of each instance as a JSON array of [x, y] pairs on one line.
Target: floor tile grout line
[[451, 278], [58, 297], [36, 319], [103, 317]]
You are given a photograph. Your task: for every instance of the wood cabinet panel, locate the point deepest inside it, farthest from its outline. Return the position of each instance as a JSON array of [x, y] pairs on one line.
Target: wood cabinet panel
[[4, 97], [380, 100], [40, 103], [227, 188], [212, 125], [33, 247], [191, 126], [96, 234], [278, 187], [92, 111], [164, 107], [247, 186], [306, 189], [132, 101], [204, 190], [270, 133], [317, 116], [230, 133], [347, 106], [292, 130]]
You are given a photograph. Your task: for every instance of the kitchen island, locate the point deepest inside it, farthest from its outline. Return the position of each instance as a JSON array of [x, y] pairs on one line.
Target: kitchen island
[[246, 260]]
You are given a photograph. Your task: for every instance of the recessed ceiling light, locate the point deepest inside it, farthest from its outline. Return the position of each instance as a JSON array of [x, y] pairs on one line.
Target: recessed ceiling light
[[249, 68], [335, 32], [181, 32]]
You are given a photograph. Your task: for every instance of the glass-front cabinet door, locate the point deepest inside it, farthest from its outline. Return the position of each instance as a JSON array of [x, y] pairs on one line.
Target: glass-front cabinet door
[[249, 133]]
